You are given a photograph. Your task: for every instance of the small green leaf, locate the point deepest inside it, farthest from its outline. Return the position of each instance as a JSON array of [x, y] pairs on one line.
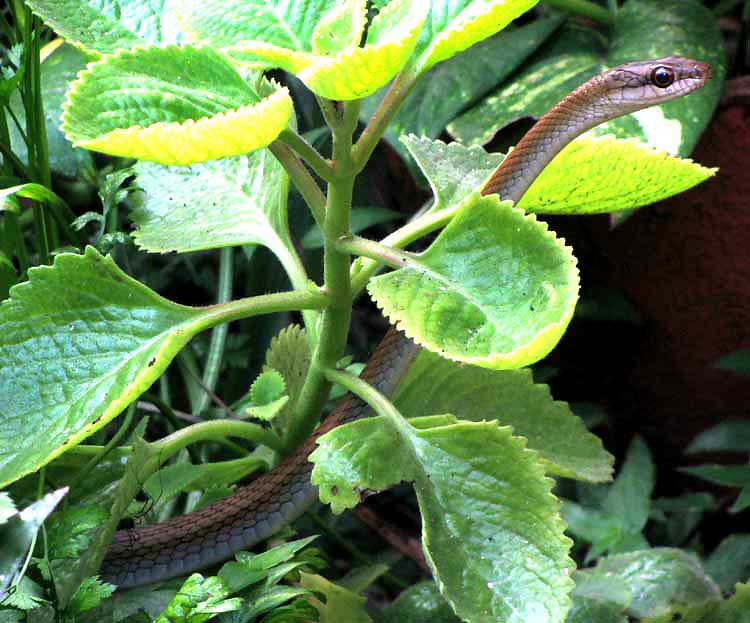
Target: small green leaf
[[269, 411], [35, 192], [453, 170], [199, 600], [729, 436], [289, 353], [437, 385], [729, 563], [89, 595], [491, 531], [726, 475], [454, 25], [598, 599], [508, 317], [269, 386], [8, 276], [107, 27], [25, 595], [297, 38], [171, 105], [340, 604]]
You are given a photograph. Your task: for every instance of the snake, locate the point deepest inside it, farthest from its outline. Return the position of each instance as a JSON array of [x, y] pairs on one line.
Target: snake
[[256, 511]]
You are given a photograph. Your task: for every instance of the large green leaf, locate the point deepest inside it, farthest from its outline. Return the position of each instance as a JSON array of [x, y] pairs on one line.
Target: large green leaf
[[643, 29], [591, 175], [490, 528], [447, 300], [454, 25], [228, 202], [79, 342], [314, 40], [436, 385], [172, 105], [729, 563], [108, 25], [448, 88]]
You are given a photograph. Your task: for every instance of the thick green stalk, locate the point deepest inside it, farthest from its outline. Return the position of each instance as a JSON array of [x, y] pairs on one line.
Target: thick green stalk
[[334, 326], [585, 8]]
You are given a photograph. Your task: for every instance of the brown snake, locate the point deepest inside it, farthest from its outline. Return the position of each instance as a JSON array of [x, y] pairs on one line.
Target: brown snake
[[212, 534]]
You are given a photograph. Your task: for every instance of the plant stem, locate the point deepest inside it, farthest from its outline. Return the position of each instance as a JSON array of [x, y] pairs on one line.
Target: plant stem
[[294, 300], [400, 87], [390, 256], [379, 403], [219, 334], [308, 153], [585, 8], [302, 180], [400, 238], [212, 431], [334, 325], [613, 7]]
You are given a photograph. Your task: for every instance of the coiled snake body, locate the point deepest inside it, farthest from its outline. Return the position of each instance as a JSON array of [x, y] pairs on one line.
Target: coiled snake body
[[212, 534]]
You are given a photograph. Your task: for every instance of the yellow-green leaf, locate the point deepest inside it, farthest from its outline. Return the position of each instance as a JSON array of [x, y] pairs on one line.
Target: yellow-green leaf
[[171, 105]]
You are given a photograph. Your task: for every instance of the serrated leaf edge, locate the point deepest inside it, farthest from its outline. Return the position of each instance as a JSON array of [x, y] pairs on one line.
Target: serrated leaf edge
[[279, 100], [514, 357]]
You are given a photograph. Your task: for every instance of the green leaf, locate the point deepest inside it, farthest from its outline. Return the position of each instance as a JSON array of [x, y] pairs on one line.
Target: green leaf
[[491, 531], [18, 532], [269, 386], [359, 219], [729, 436], [199, 600], [629, 497], [436, 385], [253, 568], [598, 599], [643, 29], [89, 595], [289, 354], [420, 603], [453, 170], [61, 63], [35, 192], [109, 26], [729, 563], [340, 604], [593, 175], [26, 595], [448, 88], [229, 202], [508, 317], [79, 341], [726, 475], [171, 105], [454, 25], [661, 580], [314, 40], [738, 361]]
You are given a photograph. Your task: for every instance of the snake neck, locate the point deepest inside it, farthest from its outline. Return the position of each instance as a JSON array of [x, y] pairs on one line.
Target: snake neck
[[580, 111]]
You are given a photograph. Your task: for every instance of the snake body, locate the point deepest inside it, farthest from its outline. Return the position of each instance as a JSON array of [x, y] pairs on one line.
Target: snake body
[[252, 514]]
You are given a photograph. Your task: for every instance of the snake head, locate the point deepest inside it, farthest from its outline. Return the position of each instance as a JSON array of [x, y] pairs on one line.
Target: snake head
[[644, 83]]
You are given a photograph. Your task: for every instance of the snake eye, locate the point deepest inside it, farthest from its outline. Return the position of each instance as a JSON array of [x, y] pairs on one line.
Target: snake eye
[[662, 77]]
